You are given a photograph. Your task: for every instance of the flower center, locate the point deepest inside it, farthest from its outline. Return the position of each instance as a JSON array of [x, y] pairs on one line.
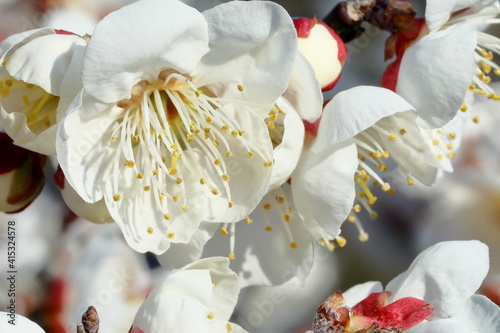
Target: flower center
[[36, 104], [174, 135]]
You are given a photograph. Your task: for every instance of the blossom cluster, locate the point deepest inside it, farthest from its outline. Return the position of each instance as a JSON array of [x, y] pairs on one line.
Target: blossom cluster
[[183, 127]]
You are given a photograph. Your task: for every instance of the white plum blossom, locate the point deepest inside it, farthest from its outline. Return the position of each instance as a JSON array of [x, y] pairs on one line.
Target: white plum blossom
[[362, 132], [171, 128], [39, 77], [200, 297], [445, 276], [19, 324]]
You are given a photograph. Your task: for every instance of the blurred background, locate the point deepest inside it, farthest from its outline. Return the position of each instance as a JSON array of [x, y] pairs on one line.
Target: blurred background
[[65, 263]]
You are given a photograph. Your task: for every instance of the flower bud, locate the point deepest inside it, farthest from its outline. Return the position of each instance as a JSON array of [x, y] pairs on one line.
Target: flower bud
[[323, 48], [21, 176]]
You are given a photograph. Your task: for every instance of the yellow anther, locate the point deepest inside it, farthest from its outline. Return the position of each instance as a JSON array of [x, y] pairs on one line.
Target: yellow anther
[[373, 215], [235, 133], [229, 154], [190, 137], [341, 241], [267, 206], [139, 176], [240, 87], [362, 173], [268, 228], [210, 315], [411, 181], [26, 100], [439, 157], [197, 131], [217, 162], [164, 159], [322, 242], [449, 146], [216, 143], [452, 154], [155, 172], [206, 130], [286, 217], [192, 126], [225, 177], [280, 199], [475, 119], [166, 216], [208, 120], [232, 256], [248, 220], [270, 125], [130, 164], [170, 235], [293, 245], [452, 136], [215, 191], [356, 208], [385, 154], [224, 231], [225, 128], [147, 188], [135, 138], [464, 107], [150, 230], [117, 197], [230, 204], [351, 218], [392, 191], [250, 154], [392, 137], [267, 164], [363, 237], [229, 328], [435, 142], [403, 131], [330, 246], [386, 187], [161, 196], [175, 198], [240, 132], [113, 138], [371, 201], [184, 207]]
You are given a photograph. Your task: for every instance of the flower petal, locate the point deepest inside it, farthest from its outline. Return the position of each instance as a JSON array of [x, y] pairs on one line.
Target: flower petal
[[20, 324], [323, 188], [287, 153], [354, 110], [304, 92], [256, 48], [437, 12], [359, 292], [165, 34], [436, 71], [443, 283]]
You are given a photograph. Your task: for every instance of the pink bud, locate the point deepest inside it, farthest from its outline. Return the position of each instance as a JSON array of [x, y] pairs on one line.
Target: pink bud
[[323, 48]]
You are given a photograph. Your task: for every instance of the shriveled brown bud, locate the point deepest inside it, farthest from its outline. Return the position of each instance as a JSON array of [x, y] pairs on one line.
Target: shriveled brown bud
[[90, 320], [332, 316]]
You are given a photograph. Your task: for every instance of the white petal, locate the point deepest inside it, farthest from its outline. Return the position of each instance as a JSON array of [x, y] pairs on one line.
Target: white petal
[[353, 111], [287, 153], [251, 44], [181, 254], [304, 92], [437, 12], [44, 61], [359, 292], [225, 288], [436, 71], [272, 261], [138, 41], [19, 324], [323, 187], [444, 283], [12, 42]]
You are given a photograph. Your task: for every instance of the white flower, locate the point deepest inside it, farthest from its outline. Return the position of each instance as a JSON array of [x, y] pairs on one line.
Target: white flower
[[199, 297], [445, 276], [39, 77], [445, 14], [170, 128], [362, 132]]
